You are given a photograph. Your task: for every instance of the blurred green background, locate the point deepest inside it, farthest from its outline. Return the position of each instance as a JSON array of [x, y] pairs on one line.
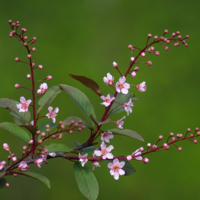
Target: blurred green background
[[84, 38]]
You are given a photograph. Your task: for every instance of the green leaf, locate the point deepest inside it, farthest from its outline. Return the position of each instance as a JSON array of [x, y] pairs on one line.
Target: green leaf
[[86, 149], [11, 106], [15, 130], [126, 132], [68, 120], [121, 98], [88, 83], [128, 168], [42, 126], [2, 183], [17, 121], [48, 97], [30, 128], [36, 176], [81, 101], [58, 147], [86, 181]]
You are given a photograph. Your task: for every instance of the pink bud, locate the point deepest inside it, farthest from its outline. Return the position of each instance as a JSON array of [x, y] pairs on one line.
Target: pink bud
[[39, 141], [40, 66], [149, 63], [136, 69], [155, 37], [187, 36], [188, 129], [30, 142], [33, 49], [195, 141], [165, 145], [14, 158], [145, 160], [49, 77], [133, 74], [166, 48], [25, 37], [180, 148], [152, 48], [173, 139], [16, 59], [160, 137], [10, 21], [43, 134], [14, 31], [6, 147], [17, 85], [149, 35], [7, 185], [24, 29], [115, 65], [157, 53], [24, 147], [186, 44], [33, 64], [171, 134], [143, 54], [173, 34], [129, 157], [60, 136], [197, 129], [29, 56], [34, 39], [191, 135], [165, 31], [132, 59], [13, 24], [148, 145], [179, 37], [28, 76], [25, 44], [198, 133], [177, 32], [131, 47], [141, 149]]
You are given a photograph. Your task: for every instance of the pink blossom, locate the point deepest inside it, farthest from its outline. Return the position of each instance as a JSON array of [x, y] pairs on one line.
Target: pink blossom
[[39, 162], [106, 136], [142, 86], [2, 164], [95, 164], [14, 158], [52, 114], [23, 106], [129, 157], [6, 147], [107, 100], [83, 159], [116, 168], [133, 74], [121, 86], [136, 155], [115, 65], [105, 151], [109, 79], [120, 122], [52, 154], [22, 166], [127, 106], [43, 88]]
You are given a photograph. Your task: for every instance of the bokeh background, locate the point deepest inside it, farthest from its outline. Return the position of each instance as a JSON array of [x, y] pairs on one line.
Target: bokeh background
[[84, 38]]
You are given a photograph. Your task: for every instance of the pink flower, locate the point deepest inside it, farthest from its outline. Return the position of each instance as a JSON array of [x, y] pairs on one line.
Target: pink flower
[[107, 100], [133, 74], [116, 168], [2, 164], [141, 87], [106, 136], [6, 147], [121, 86], [127, 106], [95, 164], [52, 114], [109, 79], [39, 162], [120, 122], [104, 152], [52, 154], [22, 166], [43, 88], [83, 159], [136, 155], [23, 106]]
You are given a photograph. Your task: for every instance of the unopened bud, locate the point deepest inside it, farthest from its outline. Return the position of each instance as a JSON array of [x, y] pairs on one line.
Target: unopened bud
[[173, 139], [24, 147], [79, 129], [7, 185], [149, 63], [186, 44], [17, 85], [43, 134], [15, 175], [157, 53], [53, 136], [33, 64], [10, 21], [187, 36], [82, 126], [29, 56], [80, 121], [145, 160], [115, 65], [49, 78], [155, 37], [148, 145], [149, 35], [14, 158], [17, 59], [171, 134], [62, 126], [25, 44], [34, 39], [132, 59], [131, 47], [180, 148], [160, 137], [179, 37], [198, 133], [143, 54], [136, 69], [165, 31], [195, 141], [70, 131], [71, 123], [6, 147], [60, 136], [39, 141], [25, 37], [33, 49], [177, 32], [40, 66], [133, 74], [166, 48], [24, 29], [197, 129], [38, 132], [141, 149], [191, 135], [28, 76], [173, 34], [165, 145]]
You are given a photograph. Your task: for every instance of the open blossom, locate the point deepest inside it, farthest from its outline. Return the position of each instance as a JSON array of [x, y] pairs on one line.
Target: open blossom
[[137, 153], [106, 136], [23, 106], [107, 100], [127, 106], [121, 86], [39, 162], [52, 154], [83, 159], [95, 164], [141, 87], [109, 79], [120, 122], [116, 168], [2, 164], [52, 114], [104, 151], [43, 88], [23, 166]]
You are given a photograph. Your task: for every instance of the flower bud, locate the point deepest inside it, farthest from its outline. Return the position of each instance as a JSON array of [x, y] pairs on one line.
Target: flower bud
[[148, 145], [180, 148], [17, 59], [149, 35], [30, 142], [40, 66], [33, 49], [60, 136], [195, 141], [28, 76], [49, 77], [166, 48], [6, 147], [115, 65], [155, 37], [25, 37], [145, 160], [70, 131], [171, 134], [149, 63], [14, 158], [29, 56], [160, 137], [43, 134], [129, 157], [136, 69], [143, 54], [141, 149], [165, 31], [133, 74], [10, 21], [132, 59], [131, 47], [7, 185], [17, 85]]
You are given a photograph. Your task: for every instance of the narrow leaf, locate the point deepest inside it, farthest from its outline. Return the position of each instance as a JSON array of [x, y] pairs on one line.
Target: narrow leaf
[[86, 181], [121, 98], [68, 120], [126, 132], [88, 83], [11, 106], [36, 176], [58, 147], [30, 128], [48, 97], [15, 130], [2, 183], [81, 101], [42, 126]]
